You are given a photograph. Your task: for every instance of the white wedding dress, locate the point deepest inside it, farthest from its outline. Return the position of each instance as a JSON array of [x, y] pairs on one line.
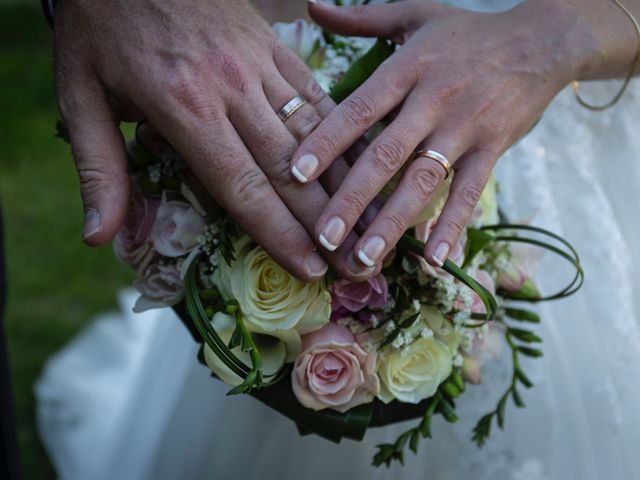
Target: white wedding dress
[[127, 399]]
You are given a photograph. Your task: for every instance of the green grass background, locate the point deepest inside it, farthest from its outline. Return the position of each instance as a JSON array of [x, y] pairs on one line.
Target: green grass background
[[56, 284]]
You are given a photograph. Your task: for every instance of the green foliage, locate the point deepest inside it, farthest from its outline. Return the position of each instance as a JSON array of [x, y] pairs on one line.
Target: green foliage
[[443, 403], [482, 430]]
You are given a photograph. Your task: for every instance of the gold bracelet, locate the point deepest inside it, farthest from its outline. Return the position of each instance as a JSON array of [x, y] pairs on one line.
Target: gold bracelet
[[636, 62]]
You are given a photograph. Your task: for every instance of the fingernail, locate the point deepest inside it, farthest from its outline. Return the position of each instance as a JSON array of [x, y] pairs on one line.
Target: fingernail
[[91, 223], [312, 1], [316, 266], [332, 233], [305, 167], [442, 251], [371, 250], [356, 268]]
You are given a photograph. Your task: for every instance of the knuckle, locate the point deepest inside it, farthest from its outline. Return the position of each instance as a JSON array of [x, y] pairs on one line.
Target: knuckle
[[448, 93], [324, 142], [249, 187], [96, 175], [360, 109], [470, 194], [389, 155], [279, 170], [355, 202], [396, 223], [305, 123], [291, 237], [424, 181], [190, 94], [230, 71], [454, 226], [314, 93]]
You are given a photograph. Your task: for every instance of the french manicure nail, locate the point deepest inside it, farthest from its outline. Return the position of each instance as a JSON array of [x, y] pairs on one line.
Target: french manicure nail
[[356, 268], [316, 266], [371, 250], [305, 167], [312, 1], [442, 251], [91, 223], [332, 233]]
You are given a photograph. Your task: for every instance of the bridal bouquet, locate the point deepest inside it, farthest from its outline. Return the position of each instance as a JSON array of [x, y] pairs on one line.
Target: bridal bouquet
[[339, 357]]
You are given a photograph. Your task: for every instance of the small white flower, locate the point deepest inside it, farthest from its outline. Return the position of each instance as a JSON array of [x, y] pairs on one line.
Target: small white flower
[[458, 360], [426, 332]]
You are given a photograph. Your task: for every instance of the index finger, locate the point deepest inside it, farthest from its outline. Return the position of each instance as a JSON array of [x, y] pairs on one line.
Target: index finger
[[351, 119], [225, 167]]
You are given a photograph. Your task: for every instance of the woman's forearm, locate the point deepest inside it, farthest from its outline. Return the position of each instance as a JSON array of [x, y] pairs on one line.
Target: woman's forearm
[[596, 36]]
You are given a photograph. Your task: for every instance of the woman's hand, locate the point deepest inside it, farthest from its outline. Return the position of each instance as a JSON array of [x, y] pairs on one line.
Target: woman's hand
[[464, 84], [210, 77]]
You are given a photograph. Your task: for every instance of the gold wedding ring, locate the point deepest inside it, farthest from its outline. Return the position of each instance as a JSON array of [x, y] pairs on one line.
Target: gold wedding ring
[[438, 157], [291, 107]]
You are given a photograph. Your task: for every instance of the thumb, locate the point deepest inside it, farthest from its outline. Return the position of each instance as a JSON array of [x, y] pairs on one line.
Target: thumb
[[391, 20], [100, 156]]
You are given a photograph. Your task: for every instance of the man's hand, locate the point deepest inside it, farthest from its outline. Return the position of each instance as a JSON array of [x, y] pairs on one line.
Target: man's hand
[[210, 77]]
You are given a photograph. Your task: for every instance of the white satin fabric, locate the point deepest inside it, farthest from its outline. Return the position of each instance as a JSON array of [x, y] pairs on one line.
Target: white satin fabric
[[127, 399]]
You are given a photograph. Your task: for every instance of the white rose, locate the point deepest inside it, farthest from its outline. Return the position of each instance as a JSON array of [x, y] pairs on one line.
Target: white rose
[[414, 372], [269, 297], [276, 349]]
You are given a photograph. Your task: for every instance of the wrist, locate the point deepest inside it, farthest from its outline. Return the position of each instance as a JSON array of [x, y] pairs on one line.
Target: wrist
[[567, 39]]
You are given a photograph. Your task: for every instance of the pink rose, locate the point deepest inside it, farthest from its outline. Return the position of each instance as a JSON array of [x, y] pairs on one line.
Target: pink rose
[[176, 229], [160, 285], [422, 232], [333, 371], [131, 244], [348, 297]]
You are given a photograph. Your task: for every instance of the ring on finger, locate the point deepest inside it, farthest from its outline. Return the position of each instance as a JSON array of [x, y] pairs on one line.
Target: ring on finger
[[291, 107], [438, 157]]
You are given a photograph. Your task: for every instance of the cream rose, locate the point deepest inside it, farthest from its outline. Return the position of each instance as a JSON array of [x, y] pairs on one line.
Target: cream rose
[[414, 372], [275, 348], [270, 298], [333, 371]]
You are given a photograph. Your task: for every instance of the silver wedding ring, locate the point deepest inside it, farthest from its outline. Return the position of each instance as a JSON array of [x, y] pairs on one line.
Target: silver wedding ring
[[438, 157], [291, 107]]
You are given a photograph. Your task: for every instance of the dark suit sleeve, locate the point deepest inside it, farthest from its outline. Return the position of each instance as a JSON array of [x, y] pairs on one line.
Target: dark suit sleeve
[[8, 442]]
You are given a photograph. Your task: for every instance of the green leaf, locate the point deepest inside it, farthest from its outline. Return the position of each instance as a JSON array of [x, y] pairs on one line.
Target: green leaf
[[523, 378], [361, 70], [530, 352], [482, 429], [517, 399], [500, 411], [425, 426], [447, 411], [477, 240], [236, 338], [524, 335], [408, 322], [246, 385], [522, 315], [415, 441], [457, 379], [450, 390], [209, 294]]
